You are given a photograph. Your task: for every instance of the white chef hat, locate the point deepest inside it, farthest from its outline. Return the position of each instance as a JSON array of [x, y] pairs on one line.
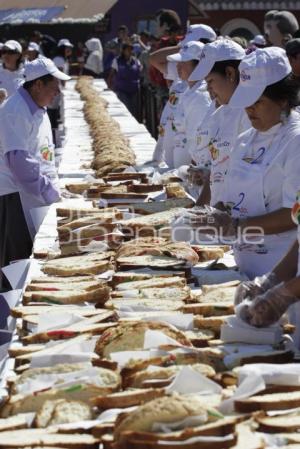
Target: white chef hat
[[197, 32], [13, 45], [220, 50], [65, 43], [259, 69], [191, 50], [41, 67], [33, 46]]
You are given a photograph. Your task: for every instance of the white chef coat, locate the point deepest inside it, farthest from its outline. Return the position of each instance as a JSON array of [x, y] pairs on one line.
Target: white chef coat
[[262, 177], [11, 80], [62, 64], [200, 153], [94, 60], [294, 310], [225, 125], [164, 150], [22, 130], [193, 107]]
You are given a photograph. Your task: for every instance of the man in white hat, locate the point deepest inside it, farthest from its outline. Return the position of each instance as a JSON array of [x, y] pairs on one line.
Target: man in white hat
[[28, 178]]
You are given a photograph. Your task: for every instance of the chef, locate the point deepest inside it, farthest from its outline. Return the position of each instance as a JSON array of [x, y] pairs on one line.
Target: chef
[[277, 292], [217, 134], [28, 178], [159, 59], [165, 143], [194, 102], [12, 69], [263, 172]]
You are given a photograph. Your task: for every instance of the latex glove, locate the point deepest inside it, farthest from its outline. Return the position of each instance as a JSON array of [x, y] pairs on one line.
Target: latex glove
[[197, 176], [211, 217], [251, 289], [268, 308]]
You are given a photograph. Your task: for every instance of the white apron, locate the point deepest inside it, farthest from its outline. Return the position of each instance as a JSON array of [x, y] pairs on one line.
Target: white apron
[[294, 310], [167, 127], [244, 194], [228, 124], [180, 155], [44, 153]]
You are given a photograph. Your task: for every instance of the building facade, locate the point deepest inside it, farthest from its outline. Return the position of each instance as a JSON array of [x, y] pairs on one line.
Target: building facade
[[237, 17], [140, 14]]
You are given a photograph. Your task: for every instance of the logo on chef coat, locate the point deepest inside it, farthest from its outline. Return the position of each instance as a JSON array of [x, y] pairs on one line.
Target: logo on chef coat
[[296, 210], [213, 151], [173, 99], [244, 76], [161, 131], [46, 153]]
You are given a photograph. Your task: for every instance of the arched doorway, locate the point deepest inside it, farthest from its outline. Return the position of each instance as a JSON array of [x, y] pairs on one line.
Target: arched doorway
[[240, 27]]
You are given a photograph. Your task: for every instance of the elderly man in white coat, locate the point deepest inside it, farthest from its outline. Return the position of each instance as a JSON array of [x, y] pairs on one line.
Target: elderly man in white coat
[[28, 177]]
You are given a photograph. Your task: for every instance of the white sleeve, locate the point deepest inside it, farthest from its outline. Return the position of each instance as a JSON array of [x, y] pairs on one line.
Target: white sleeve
[[15, 132], [59, 62], [291, 169], [115, 65]]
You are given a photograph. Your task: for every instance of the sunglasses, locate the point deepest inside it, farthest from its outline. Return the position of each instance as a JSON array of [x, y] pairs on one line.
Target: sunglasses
[[9, 52]]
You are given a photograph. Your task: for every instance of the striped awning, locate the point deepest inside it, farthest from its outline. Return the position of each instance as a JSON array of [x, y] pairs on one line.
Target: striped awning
[[53, 11]]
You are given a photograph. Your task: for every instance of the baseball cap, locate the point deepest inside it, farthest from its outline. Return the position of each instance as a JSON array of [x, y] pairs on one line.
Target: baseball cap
[[33, 46], [258, 40], [220, 50], [13, 45], [41, 67], [197, 32], [64, 43], [191, 50], [259, 69], [292, 47]]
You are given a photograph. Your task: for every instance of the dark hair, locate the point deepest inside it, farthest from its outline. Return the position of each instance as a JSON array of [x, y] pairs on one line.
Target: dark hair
[[270, 14], [287, 89], [19, 62], [145, 33], [205, 41], [221, 66], [60, 51], [170, 17], [45, 80], [287, 22], [123, 28]]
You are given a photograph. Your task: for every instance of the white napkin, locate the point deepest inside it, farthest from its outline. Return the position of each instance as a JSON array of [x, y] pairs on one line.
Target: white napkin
[[189, 381], [56, 320], [249, 386], [236, 330]]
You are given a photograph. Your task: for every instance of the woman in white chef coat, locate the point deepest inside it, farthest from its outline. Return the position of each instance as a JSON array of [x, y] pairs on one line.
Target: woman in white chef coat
[[217, 134], [194, 102], [11, 71], [264, 166], [276, 292], [165, 143]]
